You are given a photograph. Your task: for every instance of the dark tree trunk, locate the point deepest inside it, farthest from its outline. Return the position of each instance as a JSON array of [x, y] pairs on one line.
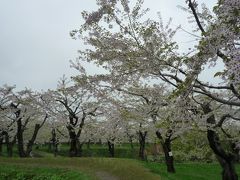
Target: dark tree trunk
[[226, 160], [32, 140], [20, 141], [142, 142], [9, 144], [236, 150], [54, 142], [10, 149], [131, 143], [20, 129], [155, 151], [55, 150], [168, 156], [1, 144], [73, 151], [34, 136], [111, 149], [74, 137], [169, 160]]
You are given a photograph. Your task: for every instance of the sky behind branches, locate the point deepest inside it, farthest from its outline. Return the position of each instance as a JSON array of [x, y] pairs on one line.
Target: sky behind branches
[[35, 46]]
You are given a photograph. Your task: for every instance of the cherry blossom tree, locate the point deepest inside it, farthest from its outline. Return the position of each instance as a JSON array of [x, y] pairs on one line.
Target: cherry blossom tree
[[166, 118], [131, 49], [111, 126], [24, 111], [7, 132], [72, 105], [20, 113]]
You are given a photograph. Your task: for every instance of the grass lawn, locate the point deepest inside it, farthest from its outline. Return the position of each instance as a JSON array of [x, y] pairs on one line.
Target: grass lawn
[[99, 166], [90, 168], [189, 171], [16, 172], [62, 168]]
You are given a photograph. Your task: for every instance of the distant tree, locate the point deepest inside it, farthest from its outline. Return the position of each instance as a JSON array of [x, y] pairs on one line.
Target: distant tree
[[71, 105], [21, 111], [6, 123]]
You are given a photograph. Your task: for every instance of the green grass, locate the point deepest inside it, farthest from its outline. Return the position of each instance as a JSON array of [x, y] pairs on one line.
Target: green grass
[[189, 171], [95, 164], [100, 168], [104, 168], [9, 172], [93, 168]]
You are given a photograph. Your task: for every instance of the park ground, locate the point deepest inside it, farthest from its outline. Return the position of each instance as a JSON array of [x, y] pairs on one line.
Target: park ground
[[46, 167]]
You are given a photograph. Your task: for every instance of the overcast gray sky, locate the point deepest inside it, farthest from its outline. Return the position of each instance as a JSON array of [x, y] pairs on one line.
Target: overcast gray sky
[[35, 46]]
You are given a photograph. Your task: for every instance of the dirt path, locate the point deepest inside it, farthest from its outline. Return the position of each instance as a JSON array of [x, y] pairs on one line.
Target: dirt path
[[102, 175]]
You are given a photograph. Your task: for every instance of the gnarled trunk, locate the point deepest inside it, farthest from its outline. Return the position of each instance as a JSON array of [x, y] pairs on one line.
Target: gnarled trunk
[[20, 141], [54, 142], [226, 160], [10, 149], [1, 144], [111, 149], [169, 160], [168, 156], [73, 151], [142, 142], [9, 144], [75, 146], [236, 149], [32, 140], [20, 129]]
